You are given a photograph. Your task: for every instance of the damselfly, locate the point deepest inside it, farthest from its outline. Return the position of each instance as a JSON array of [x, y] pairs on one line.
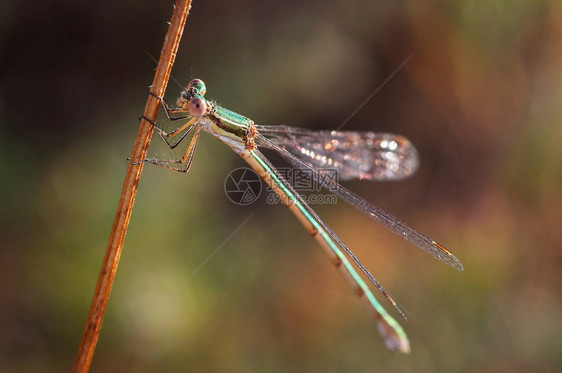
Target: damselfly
[[361, 155]]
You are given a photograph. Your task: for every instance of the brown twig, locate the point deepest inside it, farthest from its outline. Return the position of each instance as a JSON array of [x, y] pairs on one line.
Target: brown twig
[[129, 191]]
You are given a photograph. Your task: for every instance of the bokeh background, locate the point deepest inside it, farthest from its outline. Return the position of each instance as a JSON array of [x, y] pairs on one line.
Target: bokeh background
[[481, 99]]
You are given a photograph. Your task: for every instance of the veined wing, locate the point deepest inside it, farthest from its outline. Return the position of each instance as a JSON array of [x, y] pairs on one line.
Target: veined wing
[[355, 155], [392, 332], [400, 228]]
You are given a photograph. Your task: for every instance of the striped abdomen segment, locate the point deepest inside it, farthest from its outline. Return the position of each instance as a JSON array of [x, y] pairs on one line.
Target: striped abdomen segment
[[391, 331]]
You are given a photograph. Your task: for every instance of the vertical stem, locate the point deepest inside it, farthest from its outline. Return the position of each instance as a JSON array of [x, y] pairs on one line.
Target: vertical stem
[[129, 191]]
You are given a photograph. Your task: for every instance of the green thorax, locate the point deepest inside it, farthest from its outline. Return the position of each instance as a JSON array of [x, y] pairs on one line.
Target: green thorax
[[231, 122]]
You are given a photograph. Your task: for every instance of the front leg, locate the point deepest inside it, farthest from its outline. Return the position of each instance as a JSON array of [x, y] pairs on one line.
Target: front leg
[[187, 127], [169, 111], [184, 163]]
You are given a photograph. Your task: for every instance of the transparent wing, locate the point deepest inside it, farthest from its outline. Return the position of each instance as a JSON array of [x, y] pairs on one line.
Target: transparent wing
[[400, 228], [330, 232], [356, 155]]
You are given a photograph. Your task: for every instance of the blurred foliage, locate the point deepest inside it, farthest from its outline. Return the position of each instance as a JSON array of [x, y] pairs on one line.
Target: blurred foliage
[[480, 98]]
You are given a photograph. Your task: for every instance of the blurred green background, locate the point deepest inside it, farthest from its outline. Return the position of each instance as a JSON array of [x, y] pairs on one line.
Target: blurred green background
[[481, 99]]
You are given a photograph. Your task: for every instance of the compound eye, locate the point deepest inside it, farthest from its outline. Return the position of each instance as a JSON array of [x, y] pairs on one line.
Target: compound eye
[[198, 85], [197, 106]]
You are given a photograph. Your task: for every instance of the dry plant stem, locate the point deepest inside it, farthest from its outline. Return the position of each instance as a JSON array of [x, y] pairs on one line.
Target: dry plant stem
[[129, 191]]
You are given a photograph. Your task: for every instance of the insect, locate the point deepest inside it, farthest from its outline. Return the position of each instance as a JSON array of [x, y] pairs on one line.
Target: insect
[[355, 155]]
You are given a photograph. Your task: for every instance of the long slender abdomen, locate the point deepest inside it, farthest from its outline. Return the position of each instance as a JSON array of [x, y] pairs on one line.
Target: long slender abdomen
[[391, 331]]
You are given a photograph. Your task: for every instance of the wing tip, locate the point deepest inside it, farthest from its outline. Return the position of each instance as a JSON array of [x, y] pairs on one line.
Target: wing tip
[[452, 260]]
